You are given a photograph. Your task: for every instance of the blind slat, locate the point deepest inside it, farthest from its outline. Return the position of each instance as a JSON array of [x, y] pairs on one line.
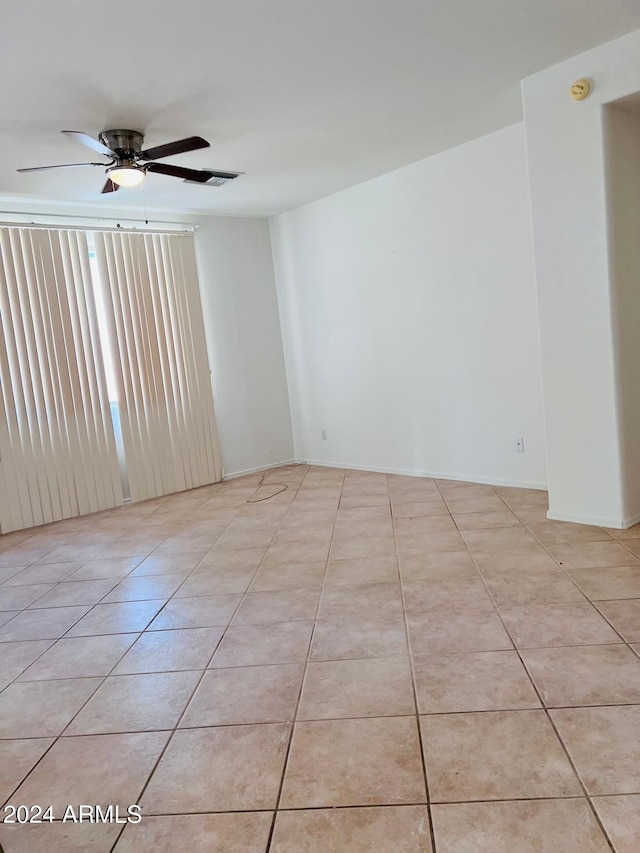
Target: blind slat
[[57, 445], [166, 407]]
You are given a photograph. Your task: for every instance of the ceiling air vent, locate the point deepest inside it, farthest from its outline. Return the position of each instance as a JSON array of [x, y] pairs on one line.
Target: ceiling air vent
[[218, 179]]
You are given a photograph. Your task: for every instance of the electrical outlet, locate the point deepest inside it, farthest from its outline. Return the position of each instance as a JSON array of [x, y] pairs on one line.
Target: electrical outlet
[[324, 435], [520, 445]]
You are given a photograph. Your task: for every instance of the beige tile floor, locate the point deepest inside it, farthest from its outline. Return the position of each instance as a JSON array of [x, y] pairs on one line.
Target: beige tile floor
[[361, 663]]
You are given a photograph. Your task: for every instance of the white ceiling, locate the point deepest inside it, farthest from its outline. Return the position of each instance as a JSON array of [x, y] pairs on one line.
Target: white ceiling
[[305, 97]]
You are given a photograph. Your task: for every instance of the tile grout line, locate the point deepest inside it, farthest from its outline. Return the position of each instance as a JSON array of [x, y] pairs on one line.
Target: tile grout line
[[413, 682], [544, 706], [522, 524], [103, 678], [294, 719], [176, 728], [577, 585]]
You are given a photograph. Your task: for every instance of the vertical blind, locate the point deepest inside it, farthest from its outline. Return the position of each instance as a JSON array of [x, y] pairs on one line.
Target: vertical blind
[[57, 450], [165, 399]]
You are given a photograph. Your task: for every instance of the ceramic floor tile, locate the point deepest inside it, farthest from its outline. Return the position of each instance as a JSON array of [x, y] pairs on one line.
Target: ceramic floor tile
[[8, 572], [74, 593], [462, 489], [216, 581], [421, 596], [558, 533], [364, 499], [46, 624], [296, 553], [362, 571], [236, 560], [245, 539], [487, 504], [168, 651], [611, 583], [438, 567], [357, 688], [512, 540], [416, 526], [417, 508], [531, 560], [22, 557], [166, 564], [354, 602], [538, 826], [68, 837], [71, 554], [124, 618], [628, 533], [478, 681], [131, 546], [136, 703], [603, 744], [7, 616], [289, 576], [469, 630], [371, 761], [429, 543], [632, 544], [206, 611], [592, 555], [144, 588], [42, 574], [373, 636], [250, 645], [42, 708], [245, 583], [19, 597], [106, 567], [356, 830], [510, 588], [80, 657], [103, 769], [620, 817], [624, 616], [248, 694], [367, 513], [291, 605], [585, 675], [540, 625], [496, 755], [483, 520], [16, 657], [17, 758], [248, 763], [244, 833]]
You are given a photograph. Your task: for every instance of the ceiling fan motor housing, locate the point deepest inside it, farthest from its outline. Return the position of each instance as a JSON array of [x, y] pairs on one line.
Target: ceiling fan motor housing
[[126, 141]]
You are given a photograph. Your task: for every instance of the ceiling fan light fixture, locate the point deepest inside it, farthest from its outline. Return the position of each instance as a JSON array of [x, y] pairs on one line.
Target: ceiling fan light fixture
[[126, 176]]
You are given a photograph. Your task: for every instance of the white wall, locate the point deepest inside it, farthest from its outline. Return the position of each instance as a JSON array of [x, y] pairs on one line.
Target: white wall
[[568, 185], [409, 319], [245, 342], [242, 325], [623, 172]]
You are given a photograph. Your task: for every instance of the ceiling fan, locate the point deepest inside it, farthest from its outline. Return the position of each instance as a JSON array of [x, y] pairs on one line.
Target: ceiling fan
[[129, 163]]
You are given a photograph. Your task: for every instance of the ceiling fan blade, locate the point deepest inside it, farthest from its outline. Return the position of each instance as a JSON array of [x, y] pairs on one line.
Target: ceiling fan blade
[[89, 142], [110, 186], [191, 143], [60, 166], [199, 176]]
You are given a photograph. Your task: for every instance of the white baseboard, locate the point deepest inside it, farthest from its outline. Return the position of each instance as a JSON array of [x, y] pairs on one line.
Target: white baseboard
[[595, 520], [467, 478], [234, 474]]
